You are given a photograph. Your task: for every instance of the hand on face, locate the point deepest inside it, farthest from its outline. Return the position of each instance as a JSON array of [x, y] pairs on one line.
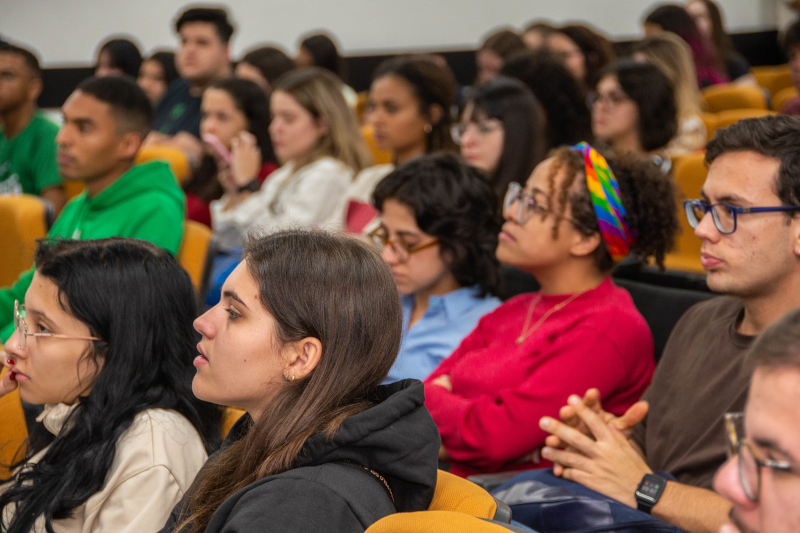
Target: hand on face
[[608, 464], [245, 158]]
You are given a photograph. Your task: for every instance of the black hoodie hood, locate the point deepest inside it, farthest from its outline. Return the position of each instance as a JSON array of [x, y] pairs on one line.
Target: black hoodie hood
[[397, 438]]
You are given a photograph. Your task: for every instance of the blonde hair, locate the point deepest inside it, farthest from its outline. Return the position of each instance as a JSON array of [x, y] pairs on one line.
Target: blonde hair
[[673, 57], [320, 93]]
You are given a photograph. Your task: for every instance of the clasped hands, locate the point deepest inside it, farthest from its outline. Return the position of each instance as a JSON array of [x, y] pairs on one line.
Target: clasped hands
[[591, 446]]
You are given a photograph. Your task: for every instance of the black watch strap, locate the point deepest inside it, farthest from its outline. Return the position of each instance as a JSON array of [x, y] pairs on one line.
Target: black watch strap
[[649, 491], [252, 186]]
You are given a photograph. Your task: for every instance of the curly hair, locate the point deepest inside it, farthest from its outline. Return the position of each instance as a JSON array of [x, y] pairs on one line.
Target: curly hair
[[654, 96], [568, 119], [647, 194], [456, 204]]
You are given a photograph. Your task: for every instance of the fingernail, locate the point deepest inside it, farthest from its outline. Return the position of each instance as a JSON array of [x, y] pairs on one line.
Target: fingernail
[[544, 422], [572, 400], [546, 451]]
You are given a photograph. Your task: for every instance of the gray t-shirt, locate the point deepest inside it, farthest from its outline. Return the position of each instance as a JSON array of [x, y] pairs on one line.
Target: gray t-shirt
[[697, 380]]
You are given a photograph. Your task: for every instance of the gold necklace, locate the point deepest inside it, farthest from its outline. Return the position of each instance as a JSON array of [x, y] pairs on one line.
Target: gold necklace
[[525, 332]]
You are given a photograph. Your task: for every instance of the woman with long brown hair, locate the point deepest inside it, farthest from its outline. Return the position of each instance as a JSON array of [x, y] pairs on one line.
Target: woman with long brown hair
[[308, 326]]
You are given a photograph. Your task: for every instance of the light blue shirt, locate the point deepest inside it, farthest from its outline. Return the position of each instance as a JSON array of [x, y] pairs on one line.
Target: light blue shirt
[[447, 321]]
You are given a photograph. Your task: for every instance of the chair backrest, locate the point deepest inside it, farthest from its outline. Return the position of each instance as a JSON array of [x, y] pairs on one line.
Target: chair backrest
[[361, 106], [690, 173], [193, 253], [726, 118], [710, 122], [380, 157], [230, 416], [13, 430], [733, 96], [440, 522], [661, 307], [72, 188], [178, 160], [23, 219], [773, 78], [455, 493], [783, 96]]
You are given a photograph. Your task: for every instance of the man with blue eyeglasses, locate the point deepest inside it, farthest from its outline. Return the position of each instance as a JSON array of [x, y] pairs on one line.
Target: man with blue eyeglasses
[[762, 479], [749, 222]]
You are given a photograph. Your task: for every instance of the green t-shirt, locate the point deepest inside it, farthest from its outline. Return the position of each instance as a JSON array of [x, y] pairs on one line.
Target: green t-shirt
[[28, 161], [144, 203]]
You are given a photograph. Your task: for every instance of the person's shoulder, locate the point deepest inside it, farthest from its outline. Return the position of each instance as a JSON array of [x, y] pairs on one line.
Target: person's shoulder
[[719, 308], [328, 164], [164, 437], [43, 126]]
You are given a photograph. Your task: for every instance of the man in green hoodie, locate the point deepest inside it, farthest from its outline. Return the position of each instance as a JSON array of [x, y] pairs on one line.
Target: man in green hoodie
[[105, 121]]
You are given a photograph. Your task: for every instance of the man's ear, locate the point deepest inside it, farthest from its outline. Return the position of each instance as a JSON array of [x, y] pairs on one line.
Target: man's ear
[[129, 144], [304, 357]]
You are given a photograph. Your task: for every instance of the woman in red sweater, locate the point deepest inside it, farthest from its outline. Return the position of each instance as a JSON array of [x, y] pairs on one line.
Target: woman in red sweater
[[524, 359]]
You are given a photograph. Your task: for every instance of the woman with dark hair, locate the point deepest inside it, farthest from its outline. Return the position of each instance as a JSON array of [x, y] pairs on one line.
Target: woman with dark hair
[[583, 50], [155, 75], [409, 112], [564, 102], [502, 132], [104, 340], [536, 33], [634, 109], [308, 327], [319, 50], [578, 215], [708, 19], [495, 49], [118, 57], [674, 18], [438, 233], [264, 66], [234, 126]]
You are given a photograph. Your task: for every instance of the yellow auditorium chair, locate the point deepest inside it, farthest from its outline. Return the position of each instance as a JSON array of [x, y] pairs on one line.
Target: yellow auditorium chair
[[690, 173], [178, 161], [23, 219], [726, 118], [13, 430], [194, 251], [380, 157], [710, 122], [361, 106], [781, 97], [439, 522], [455, 493], [230, 416], [732, 96], [773, 79]]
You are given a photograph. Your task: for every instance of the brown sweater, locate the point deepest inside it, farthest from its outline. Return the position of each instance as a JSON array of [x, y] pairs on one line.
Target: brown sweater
[[697, 381]]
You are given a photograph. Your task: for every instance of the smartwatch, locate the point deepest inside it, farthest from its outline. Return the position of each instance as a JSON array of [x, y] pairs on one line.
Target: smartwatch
[[252, 186], [649, 491]]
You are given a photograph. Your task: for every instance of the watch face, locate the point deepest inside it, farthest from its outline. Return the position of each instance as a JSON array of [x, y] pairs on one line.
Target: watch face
[[651, 487]]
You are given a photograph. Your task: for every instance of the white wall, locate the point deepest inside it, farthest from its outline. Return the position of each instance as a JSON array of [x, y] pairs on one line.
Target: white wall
[[66, 32]]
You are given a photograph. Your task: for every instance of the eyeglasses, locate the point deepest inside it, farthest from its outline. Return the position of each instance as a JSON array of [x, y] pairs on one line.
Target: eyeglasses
[[401, 249], [610, 100], [527, 205], [22, 329], [484, 128], [749, 465], [724, 215]]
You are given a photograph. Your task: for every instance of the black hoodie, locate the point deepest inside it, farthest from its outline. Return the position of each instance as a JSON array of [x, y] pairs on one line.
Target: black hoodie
[[331, 488]]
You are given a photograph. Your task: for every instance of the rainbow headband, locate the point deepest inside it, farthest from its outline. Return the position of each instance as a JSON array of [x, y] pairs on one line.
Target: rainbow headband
[[608, 208]]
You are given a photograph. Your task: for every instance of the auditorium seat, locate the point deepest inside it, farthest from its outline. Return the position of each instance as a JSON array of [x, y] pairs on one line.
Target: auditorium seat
[[726, 118], [690, 173], [194, 253], [230, 416], [72, 188], [178, 161], [24, 218], [726, 96], [783, 96], [13, 430], [380, 157], [773, 78], [441, 522]]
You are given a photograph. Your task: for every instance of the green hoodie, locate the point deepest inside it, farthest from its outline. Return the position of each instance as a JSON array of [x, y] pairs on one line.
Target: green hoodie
[[144, 203]]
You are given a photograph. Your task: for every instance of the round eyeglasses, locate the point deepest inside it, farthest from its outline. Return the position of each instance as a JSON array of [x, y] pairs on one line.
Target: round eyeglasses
[[401, 249], [749, 465], [527, 205], [725, 215], [22, 329], [483, 127]]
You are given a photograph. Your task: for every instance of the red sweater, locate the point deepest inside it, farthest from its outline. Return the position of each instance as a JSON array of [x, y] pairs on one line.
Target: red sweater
[[500, 390]]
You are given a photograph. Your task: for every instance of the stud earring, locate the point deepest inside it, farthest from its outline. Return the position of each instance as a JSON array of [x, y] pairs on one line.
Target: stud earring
[[428, 128], [289, 377]]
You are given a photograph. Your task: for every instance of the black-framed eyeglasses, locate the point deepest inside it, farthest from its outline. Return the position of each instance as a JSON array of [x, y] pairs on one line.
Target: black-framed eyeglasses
[[22, 329], [749, 465], [725, 215], [401, 249], [528, 204], [611, 100]]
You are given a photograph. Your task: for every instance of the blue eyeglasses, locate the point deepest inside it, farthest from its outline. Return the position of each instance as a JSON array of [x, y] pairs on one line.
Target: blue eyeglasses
[[724, 215]]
